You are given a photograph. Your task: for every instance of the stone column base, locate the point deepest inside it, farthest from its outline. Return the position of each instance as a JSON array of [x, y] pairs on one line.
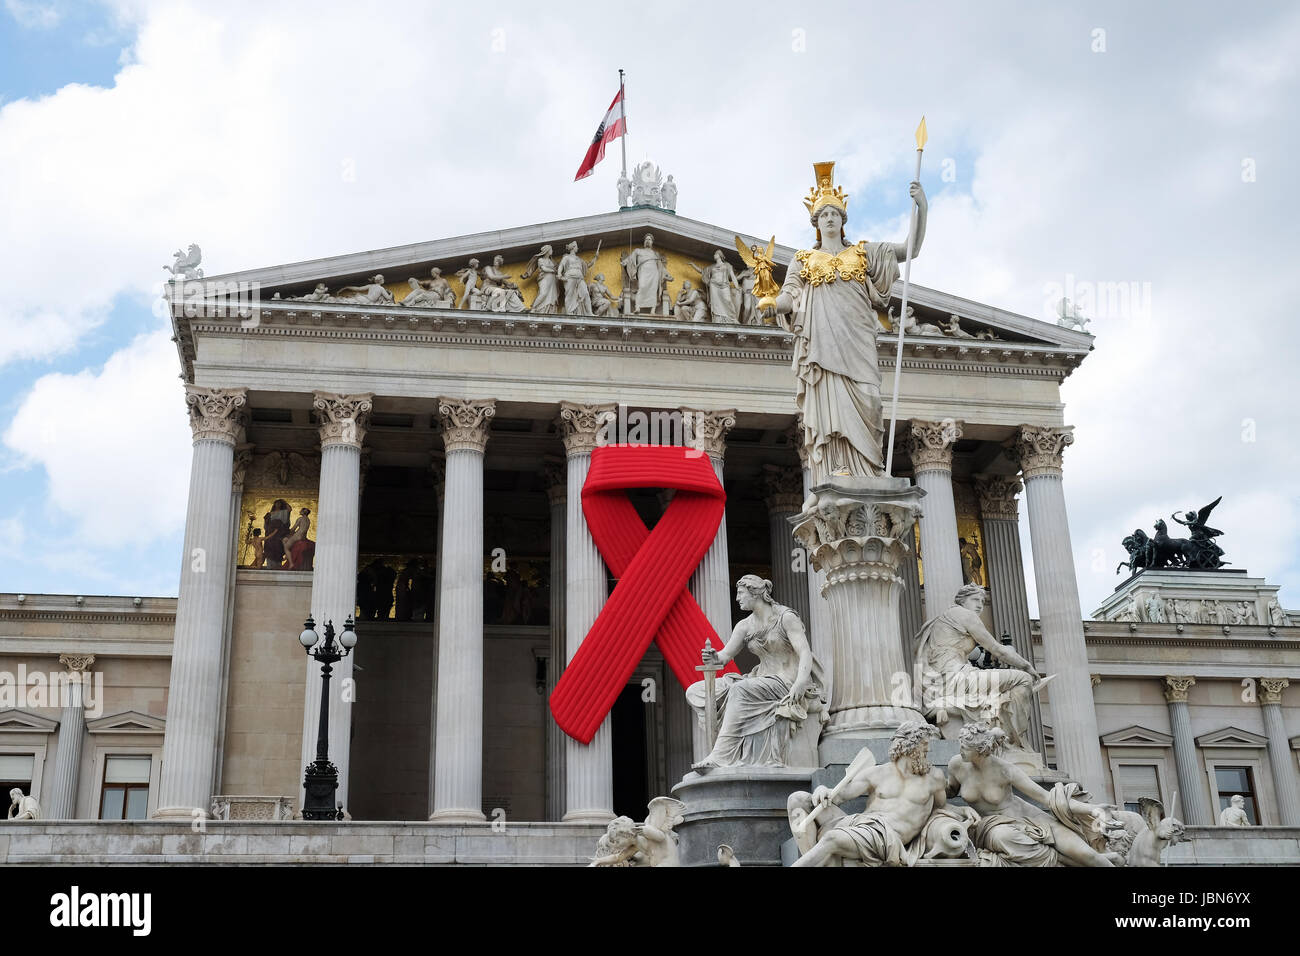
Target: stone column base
[[745, 808], [454, 815]]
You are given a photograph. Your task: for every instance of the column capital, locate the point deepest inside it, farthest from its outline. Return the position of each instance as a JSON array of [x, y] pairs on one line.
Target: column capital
[[556, 476], [243, 458], [466, 422], [1273, 687], [343, 418], [76, 663], [1176, 688], [216, 414], [782, 489], [997, 495], [1039, 449], [929, 444], [708, 429], [582, 426]]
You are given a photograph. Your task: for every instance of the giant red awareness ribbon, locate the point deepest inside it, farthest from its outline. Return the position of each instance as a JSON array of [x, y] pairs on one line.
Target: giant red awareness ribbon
[[651, 601]]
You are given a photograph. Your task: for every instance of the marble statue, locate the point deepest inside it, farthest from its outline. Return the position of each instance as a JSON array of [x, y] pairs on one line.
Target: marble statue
[[948, 685], [721, 289], [690, 305], [911, 326], [1155, 609], [1234, 814], [748, 304], [503, 298], [320, 294], [652, 843], [186, 264], [572, 271], [727, 856], [1276, 616], [617, 845], [372, 293], [668, 195], [548, 286], [1160, 831], [954, 329], [645, 273], [469, 277], [1069, 317], [603, 302], [23, 807], [440, 288], [647, 184], [835, 291], [761, 711], [624, 191], [1010, 830], [901, 795], [422, 295], [495, 277]]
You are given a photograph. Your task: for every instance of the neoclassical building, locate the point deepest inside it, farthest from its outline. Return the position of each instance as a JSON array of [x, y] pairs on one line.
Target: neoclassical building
[[419, 468]]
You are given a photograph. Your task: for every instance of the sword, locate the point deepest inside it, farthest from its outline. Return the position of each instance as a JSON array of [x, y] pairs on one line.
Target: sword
[[710, 671]]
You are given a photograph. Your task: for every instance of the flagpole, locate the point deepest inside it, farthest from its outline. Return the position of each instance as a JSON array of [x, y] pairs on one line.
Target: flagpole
[[921, 137], [623, 138]]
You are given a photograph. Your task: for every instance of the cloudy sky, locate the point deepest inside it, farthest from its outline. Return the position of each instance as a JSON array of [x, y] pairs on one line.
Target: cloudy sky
[[1147, 145]]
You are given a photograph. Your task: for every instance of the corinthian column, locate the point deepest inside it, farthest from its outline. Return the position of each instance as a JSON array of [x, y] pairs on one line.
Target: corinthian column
[[1000, 516], [783, 496], [458, 736], [1078, 750], [343, 420], [930, 447], [189, 746], [588, 768], [711, 584], [855, 535], [819, 615], [437, 466], [1279, 750], [72, 725], [1191, 789], [557, 478]]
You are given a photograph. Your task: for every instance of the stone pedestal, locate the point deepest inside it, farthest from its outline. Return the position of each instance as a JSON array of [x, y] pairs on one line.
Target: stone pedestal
[[855, 532], [743, 808], [1226, 596]]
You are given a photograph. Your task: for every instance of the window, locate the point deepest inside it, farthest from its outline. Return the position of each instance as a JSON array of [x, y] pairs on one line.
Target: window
[[1230, 781], [15, 771], [126, 788], [1136, 781]]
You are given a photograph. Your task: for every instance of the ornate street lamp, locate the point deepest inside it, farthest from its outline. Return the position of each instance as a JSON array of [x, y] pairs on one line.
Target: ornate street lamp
[[322, 779]]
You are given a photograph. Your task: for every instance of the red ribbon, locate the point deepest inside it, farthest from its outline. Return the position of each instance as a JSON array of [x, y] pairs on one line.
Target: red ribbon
[[651, 601]]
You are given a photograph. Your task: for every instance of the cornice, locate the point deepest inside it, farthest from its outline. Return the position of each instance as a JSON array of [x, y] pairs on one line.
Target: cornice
[[434, 328]]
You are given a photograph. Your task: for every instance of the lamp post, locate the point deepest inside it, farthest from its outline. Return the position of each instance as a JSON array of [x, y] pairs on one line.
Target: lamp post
[[322, 780]]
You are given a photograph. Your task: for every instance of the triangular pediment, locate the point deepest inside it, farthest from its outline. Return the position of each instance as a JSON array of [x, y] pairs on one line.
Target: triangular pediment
[[686, 243], [1136, 736], [1231, 737], [13, 720], [127, 722]]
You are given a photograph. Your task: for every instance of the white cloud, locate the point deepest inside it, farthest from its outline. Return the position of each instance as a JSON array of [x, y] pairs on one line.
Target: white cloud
[[33, 15], [271, 137], [114, 445]]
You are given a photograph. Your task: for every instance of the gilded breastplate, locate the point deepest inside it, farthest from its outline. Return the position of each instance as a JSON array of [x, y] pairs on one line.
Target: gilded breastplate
[[820, 267]]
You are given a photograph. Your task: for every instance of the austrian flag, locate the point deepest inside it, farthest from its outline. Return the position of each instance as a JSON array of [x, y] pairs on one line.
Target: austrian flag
[[610, 129]]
